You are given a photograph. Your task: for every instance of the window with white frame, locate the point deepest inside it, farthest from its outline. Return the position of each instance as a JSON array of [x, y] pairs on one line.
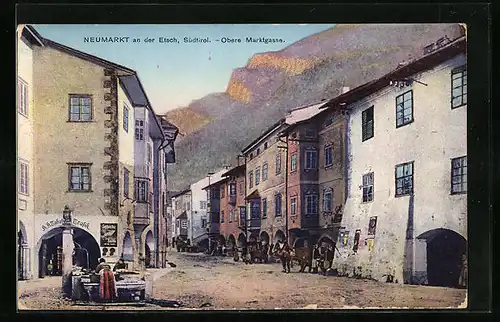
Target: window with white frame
[[328, 200], [311, 204], [459, 87], [23, 177], [404, 108], [139, 130], [22, 99], [278, 204], [257, 176], [293, 206], [80, 108], [264, 208], [125, 117], [264, 172], [142, 192], [459, 175], [328, 155], [368, 187], [250, 179], [126, 174], [404, 179], [293, 163], [79, 177], [311, 159], [367, 124]]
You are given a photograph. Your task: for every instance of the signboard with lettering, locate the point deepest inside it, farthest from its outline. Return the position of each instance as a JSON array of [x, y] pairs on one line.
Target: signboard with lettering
[[109, 235], [59, 221]]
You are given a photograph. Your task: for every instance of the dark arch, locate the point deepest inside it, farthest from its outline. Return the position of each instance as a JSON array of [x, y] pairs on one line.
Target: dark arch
[[279, 236], [86, 251], [231, 241], [264, 238], [128, 251], [254, 236], [325, 239], [149, 249], [22, 233], [444, 252], [221, 240], [299, 242], [242, 240], [22, 259]]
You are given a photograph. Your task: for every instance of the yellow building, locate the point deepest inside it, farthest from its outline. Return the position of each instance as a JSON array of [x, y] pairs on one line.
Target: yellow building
[[80, 112]]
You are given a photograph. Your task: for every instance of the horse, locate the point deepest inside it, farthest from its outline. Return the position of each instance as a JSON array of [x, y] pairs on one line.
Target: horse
[[285, 255]]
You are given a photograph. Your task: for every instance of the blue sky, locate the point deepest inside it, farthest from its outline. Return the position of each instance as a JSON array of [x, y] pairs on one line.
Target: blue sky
[[174, 74]]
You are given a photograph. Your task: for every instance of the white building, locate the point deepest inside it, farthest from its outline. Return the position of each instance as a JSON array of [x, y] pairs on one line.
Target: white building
[[405, 217]]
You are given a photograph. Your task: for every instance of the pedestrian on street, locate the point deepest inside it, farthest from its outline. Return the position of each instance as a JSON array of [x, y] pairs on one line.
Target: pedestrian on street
[[285, 257], [462, 280], [315, 259], [107, 285]]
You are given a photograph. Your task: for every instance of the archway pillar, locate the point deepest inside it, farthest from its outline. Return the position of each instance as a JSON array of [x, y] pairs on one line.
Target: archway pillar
[[67, 259], [26, 260]]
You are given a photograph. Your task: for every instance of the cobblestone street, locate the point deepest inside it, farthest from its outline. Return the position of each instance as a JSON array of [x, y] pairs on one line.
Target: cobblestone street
[[201, 282]]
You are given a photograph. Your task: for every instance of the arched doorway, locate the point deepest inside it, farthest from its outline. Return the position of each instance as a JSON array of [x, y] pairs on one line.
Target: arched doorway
[[279, 237], [242, 240], [254, 235], [86, 251], [149, 249], [128, 251], [231, 242], [325, 241], [221, 241], [443, 256], [264, 238]]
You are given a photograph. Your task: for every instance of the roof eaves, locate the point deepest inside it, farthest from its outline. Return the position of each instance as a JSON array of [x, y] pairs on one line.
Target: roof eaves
[[270, 130]]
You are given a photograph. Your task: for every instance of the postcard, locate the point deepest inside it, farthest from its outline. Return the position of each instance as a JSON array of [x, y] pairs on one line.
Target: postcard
[[241, 167]]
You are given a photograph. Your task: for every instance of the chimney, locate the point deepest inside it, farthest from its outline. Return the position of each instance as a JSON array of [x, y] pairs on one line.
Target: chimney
[[344, 90]]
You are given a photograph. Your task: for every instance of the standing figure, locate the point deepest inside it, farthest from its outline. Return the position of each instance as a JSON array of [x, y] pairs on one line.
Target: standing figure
[[285, 257], [315, 258], [107, 285], [462, 280]]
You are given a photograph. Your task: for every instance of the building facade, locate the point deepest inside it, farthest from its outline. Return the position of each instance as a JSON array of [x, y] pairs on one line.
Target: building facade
[[198, 222], [82, 116], [405, 218], [181, 212]]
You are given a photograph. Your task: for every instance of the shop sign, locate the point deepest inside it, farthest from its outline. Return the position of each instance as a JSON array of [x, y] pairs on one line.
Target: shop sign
[[109, 235], [59, 221]]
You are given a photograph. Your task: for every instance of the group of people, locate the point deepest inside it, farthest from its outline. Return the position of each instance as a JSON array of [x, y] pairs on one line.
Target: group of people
[[322, 257]]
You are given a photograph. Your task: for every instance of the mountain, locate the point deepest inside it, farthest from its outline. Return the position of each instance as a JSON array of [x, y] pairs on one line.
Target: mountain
[[217, 126]]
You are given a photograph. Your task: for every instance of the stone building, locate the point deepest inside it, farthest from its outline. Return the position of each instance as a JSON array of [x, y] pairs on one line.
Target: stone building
[[181, 212], [405, 218], [265, 162], [81, 114], [233, 226]]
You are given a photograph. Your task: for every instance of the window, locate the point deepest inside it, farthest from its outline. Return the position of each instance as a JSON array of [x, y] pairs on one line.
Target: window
[[277, 201], [222, 191], [23, 178], [310, 133], [142, 192], [242, 190], [230, 215], [80, 108], [125, 117], [203, 222], [311, 204], [293, 206], [232, 189], [278, 163], [251, 156], [404, 108], [264, 172], [79, 177], [23, 102], [404, 179], [311, 159], [184, 224], [459, 175], [149, 153], [264, 208], [215, 193], [367, 123], [243, 211], [125, 182], [265, 146], [250, 179], [202, 204], [293, 162], [139, 130], [257, 176], [327, 200], [328, 155], [255, 210], [458, 87], [222, 216], [258, 151], [368, 187]]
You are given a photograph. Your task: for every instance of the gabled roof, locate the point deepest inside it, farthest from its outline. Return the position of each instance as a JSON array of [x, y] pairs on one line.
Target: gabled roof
[[31, 35], [183, 215], [128, 77], [183, 192], [218, 182], [238, 170]]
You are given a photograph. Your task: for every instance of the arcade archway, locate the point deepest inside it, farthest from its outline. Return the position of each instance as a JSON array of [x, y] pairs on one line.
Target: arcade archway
[[279, 237], [86, 251], [254, 235], [22, 253], [264, 238], [443, 256], [231, 242], [149, 249], [128, 251], [242, 240]]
